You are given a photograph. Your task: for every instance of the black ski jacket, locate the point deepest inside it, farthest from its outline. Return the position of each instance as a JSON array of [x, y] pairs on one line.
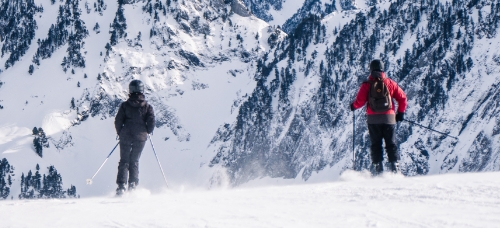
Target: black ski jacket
[[135, 119]]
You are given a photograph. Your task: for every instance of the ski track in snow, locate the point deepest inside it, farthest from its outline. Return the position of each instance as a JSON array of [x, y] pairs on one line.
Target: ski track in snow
[[450, 200]]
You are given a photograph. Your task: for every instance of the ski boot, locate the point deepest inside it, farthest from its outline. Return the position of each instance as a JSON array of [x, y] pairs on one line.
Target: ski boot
[[378, 168], [120, 190], [132, 186], [394, 167]]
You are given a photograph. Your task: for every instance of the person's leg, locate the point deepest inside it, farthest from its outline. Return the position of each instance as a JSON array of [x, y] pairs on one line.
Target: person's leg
[[391, 146], [135, 155], [123, 165], [377, 155]]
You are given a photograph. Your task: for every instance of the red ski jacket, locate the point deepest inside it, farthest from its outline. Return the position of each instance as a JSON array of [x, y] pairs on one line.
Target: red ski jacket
[[396, 93]]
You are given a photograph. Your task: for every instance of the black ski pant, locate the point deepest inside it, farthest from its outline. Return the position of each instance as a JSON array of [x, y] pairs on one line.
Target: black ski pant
[[128, 167], [386, 132]]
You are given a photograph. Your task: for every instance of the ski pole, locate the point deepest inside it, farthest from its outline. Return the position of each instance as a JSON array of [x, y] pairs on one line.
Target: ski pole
[[89, 181], [431, 129], [353, 143], [163, 173]]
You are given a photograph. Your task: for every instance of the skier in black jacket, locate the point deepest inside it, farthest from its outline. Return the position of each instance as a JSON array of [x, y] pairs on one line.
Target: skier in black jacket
[[133, 122]]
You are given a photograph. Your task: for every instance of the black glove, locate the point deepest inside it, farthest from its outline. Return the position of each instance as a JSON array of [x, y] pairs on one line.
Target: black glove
[[400, 116], [352, 107], [117, 137]]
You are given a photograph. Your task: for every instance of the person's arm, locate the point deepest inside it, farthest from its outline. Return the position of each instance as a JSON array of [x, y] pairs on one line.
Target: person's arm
[[150, 119], [120, 119], [400, 97], [362, 97]]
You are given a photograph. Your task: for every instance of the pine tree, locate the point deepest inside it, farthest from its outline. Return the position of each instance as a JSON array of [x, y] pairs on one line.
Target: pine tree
[[30, 194], [35, 131], [23, 187], [72, 192], [40, 141], [69, 29], [37, 184], [6, 171], [28, 186], [38, 146], [119, 25], [52, 185], [48, 186], [97, 28], [17, 28], [31, 69]]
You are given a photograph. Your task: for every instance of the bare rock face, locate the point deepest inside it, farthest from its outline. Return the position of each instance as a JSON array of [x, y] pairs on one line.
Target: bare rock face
[[129, 1], [218, 3], [264, 9], [347, 4], [238, 7]]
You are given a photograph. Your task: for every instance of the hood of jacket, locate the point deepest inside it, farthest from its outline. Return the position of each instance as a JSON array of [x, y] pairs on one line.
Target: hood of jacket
[[137, 100], [377, 74]]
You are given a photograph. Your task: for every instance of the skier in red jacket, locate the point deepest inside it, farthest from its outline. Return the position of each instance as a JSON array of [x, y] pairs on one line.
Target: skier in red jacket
[[382, 115]]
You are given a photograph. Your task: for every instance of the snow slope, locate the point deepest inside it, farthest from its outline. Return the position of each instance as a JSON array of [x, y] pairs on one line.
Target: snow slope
[[449, 200]]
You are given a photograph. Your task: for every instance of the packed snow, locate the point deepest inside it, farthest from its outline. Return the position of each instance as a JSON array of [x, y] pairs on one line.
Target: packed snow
[[356, 200]]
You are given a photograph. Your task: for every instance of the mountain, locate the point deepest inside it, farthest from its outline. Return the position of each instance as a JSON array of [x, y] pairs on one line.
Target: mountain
[[321, 8], [297, 121], [274, 12], [65, 69], [289, 15]]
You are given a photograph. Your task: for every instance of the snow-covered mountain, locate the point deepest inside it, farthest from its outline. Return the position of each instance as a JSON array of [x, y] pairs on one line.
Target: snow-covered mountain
[[66, 66], [275, 12], [237, 98], [297, 121], [288, 15]]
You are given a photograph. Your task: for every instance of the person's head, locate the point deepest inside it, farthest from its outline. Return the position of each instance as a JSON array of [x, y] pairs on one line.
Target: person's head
[[377, 65], [136, 86]]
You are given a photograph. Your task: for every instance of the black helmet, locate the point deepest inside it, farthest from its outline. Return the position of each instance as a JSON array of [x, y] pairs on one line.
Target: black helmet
[[376, 65], [136, 86]]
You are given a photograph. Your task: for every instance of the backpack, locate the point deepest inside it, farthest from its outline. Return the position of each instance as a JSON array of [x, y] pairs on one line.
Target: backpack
[[379, 97]]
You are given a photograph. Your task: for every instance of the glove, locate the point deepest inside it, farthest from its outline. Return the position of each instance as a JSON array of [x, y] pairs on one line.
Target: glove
[[400, 116], [117, 137], [352, 107]]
